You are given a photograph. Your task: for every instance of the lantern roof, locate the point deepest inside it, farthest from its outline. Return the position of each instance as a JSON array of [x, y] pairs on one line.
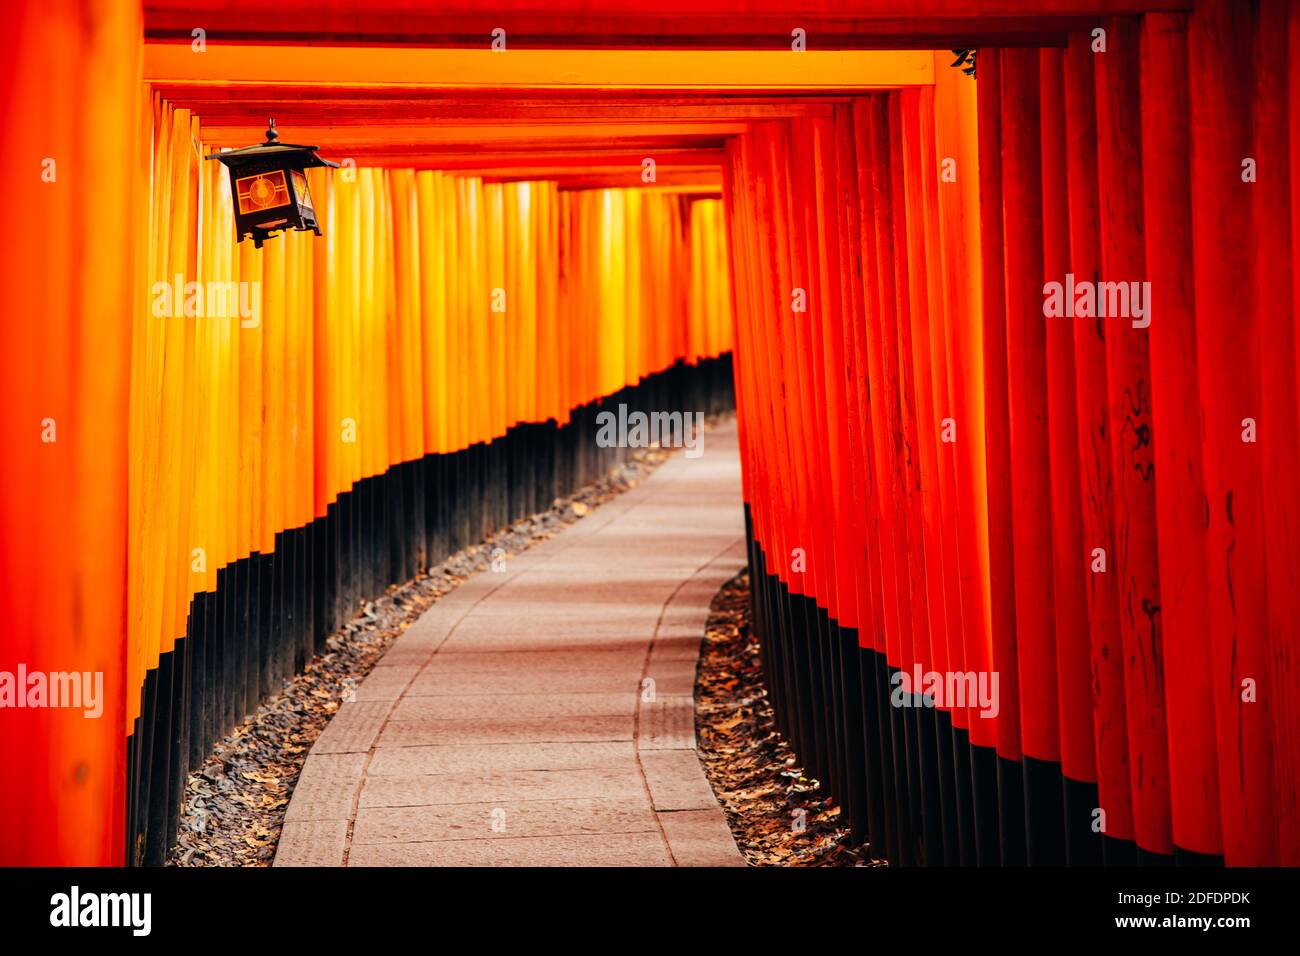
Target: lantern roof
[[304, 156]]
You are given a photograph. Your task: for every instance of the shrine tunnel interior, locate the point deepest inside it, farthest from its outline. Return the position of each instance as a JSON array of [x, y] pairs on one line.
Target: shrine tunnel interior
[[1004, 296]]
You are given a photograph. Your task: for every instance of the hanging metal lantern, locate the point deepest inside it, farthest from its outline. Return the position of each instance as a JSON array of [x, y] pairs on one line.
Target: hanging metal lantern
[[269, 185]]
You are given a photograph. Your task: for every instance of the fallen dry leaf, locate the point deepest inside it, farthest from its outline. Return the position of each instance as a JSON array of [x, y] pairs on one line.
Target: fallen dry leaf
[[727, 726]]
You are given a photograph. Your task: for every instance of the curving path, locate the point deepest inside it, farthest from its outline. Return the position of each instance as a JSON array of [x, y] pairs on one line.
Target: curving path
[[543, 715]]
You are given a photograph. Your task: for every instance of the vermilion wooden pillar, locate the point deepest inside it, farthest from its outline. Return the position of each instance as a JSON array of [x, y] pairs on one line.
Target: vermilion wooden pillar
[[1279, 446], [815, 224], [1070, 557], [1030, 481], [1011, 848], [1293, 98], [1227, 343], [886, 432], [1176, 401], [953, 238], [854, 593], [928, 634], [951, 211], [798, 147], [880, 631], [1128, 369], [842, 603], [918, 357], [1114, 798]]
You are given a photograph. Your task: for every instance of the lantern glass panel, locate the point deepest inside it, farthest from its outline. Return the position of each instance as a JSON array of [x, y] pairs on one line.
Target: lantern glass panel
[[263, 191], [300, 189]]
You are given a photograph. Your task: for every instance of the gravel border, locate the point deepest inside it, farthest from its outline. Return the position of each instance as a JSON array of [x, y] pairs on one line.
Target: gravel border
[[777, 815]]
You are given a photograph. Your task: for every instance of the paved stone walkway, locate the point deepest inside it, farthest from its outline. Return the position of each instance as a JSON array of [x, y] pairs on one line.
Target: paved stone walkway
[[543, 715]]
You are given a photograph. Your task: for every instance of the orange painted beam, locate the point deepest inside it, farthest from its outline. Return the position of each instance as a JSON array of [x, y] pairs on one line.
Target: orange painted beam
[[347, 137], [338, 67], [400, 104]]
